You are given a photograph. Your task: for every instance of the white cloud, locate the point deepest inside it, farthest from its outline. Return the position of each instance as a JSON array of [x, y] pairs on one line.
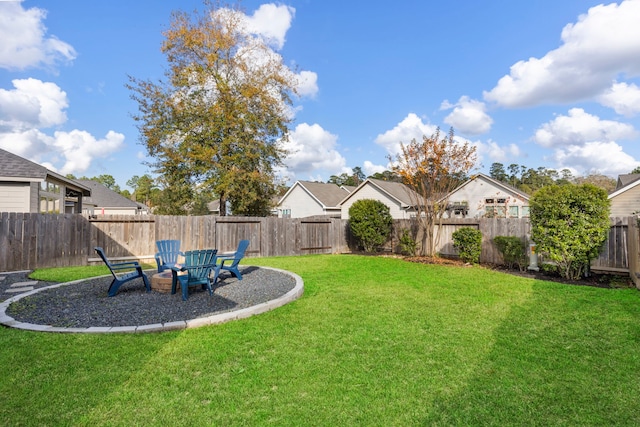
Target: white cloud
[[494, 152], [24, 41], [272, 22], [65, 152], [370, 168], [307, 84], [579, 128], [602, 45], [80, 148], [607, 158], [411, 127], [623, 98], [313, 149], [468, 116], [32, 104]]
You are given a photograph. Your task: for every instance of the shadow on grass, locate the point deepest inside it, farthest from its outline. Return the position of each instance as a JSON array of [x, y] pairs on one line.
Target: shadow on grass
[[555, 361]]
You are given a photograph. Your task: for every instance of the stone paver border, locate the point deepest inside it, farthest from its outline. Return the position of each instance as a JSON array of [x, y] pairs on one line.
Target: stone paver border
[[214, 319]]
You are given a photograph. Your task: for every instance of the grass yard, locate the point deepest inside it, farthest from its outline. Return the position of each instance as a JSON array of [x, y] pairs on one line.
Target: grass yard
[[374, 341]]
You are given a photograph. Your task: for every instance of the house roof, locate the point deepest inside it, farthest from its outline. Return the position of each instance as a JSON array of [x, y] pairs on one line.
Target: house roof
[[394, 190], [495, 183], [327, 194], [624, 180], [631, 183], [14, 167], [103, 197]]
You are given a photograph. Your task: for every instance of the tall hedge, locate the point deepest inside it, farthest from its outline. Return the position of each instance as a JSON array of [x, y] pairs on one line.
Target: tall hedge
[[370, 222], [569, 224]]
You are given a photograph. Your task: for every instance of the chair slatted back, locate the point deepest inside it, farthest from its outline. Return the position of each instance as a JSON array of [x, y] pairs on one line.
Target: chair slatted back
[[199, 263], [169, 250]]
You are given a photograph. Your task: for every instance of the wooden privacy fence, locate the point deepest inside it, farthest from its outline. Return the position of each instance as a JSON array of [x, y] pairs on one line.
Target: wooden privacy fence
[[29, 241]]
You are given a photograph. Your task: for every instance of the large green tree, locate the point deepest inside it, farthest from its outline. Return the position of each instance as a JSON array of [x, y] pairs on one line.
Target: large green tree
[[219, 119], [143, 188], [569, 224]]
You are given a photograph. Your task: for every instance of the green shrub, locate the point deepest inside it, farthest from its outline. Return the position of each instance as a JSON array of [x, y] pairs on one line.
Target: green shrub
[[549, 269], [468, 242], [569, 224], [408, 244], [513, 251], [370, 223]]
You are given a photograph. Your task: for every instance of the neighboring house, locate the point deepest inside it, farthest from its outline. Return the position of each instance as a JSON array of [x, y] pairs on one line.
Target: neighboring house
[[625, 200], [26, 186], [626, 179], [214, 207], [306, 198], [104, 201], [395, 195], [483, 196]]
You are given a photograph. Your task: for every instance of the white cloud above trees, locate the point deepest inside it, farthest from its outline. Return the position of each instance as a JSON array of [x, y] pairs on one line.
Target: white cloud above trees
[[469, 116], [313, 149], [579, 127]]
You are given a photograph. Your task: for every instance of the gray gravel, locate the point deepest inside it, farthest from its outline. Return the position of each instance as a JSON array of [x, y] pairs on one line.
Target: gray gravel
[[85, 304]]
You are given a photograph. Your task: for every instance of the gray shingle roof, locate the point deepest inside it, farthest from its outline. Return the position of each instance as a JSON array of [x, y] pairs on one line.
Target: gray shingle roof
[[397, 190], [14, 166], [101, 196], [624, 180], [327, 194]]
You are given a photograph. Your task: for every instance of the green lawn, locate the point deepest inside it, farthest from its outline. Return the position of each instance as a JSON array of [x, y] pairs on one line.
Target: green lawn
[[373, 341]]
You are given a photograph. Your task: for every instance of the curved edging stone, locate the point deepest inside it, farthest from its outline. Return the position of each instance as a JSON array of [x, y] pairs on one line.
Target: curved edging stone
[[214, 319]]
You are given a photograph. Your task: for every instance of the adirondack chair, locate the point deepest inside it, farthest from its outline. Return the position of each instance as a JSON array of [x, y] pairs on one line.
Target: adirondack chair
[[167, 255], [234, 258], [133, 268], [197, 266]]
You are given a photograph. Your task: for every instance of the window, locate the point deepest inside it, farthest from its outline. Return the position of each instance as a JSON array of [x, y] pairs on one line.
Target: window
[[488, 201], [513, 211], [286, 213], [525, 211], [495, 211]]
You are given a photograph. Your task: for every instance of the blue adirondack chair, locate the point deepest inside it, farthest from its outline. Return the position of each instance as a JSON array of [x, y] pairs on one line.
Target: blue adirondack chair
[[133, 268], [167, 255], [197, 266], [234, 259]]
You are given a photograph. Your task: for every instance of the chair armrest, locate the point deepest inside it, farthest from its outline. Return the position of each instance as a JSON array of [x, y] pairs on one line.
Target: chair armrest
[[123, 265]]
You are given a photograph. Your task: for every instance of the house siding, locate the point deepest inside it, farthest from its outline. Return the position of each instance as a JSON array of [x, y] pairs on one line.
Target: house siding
[[371, 192], [476, 191], [626, 203], [301, 204]]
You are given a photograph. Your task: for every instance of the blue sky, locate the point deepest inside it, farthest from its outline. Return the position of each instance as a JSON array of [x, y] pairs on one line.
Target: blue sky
[[546, 83]]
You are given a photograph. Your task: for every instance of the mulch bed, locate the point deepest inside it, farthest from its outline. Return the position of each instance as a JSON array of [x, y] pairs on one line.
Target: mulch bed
[[599, 280]]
